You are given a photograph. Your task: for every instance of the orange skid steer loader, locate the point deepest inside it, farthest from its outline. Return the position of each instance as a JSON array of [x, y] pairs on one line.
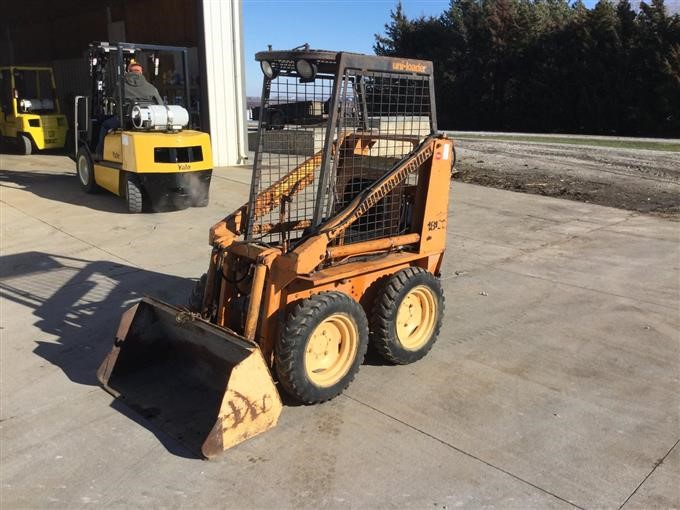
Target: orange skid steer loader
[[346, 221]]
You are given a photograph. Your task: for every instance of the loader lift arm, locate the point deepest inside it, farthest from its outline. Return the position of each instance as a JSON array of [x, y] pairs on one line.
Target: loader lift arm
[[225, 232], [314, 250]]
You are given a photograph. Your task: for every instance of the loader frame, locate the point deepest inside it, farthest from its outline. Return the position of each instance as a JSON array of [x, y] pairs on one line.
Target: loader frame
[[349, 193], [321, 259]]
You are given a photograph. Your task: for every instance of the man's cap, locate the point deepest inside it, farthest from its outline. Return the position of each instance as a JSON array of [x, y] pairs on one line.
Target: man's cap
[[134, 64]]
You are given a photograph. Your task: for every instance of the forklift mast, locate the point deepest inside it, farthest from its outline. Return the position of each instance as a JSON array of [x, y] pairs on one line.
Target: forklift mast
[[108, 63]]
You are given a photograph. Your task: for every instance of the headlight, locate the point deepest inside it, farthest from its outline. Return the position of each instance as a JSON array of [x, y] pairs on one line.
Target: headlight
[[268, 70], [305, 69]]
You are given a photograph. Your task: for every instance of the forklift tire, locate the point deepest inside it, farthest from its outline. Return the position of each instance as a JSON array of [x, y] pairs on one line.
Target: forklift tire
[[85, 171], [25, 145], [322, 347], [133, 193], [407, 316]]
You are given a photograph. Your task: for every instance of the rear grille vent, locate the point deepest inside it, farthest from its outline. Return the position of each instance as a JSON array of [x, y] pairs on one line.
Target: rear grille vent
[[178, 154]]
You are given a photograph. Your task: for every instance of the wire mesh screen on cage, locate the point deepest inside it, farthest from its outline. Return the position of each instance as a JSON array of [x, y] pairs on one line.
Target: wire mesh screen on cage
[[293, 122], [323, 141], [383, 118]]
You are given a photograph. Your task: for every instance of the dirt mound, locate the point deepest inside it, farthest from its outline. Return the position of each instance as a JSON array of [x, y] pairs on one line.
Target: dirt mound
[[638, 180]]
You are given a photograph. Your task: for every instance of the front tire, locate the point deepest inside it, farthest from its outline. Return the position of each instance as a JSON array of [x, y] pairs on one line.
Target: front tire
[[133, 194], [322, 347], [85, 171], [407, 316], [25, 145]]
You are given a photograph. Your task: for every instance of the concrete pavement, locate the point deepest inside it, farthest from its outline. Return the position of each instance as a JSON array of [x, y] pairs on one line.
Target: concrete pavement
[[554, 383]]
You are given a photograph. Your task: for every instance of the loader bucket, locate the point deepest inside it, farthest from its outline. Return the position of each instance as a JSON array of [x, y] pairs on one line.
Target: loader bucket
[[202, 384]]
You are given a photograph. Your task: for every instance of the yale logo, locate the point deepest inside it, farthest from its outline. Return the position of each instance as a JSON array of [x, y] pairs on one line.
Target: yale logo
[[408, 66], [183, 166]]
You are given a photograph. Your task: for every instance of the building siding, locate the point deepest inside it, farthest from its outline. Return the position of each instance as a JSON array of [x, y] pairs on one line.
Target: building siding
[[225, 80]]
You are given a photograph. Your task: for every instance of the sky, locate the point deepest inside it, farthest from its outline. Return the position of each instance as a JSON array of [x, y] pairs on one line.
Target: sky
[[341, 25]]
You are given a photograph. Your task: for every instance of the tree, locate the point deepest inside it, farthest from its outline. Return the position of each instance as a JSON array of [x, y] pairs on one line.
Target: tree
[[546, 65]]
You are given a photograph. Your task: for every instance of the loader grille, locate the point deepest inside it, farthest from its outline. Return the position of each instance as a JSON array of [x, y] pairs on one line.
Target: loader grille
[[324, 141]]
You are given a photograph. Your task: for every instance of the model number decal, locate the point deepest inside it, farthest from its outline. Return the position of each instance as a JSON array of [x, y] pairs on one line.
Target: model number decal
[[435, 225], [183, 166]]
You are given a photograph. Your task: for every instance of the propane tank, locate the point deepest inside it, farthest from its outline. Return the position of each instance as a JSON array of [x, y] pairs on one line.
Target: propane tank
[[158, 117]]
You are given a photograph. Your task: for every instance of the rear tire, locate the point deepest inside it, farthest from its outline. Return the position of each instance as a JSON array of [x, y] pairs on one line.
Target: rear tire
[[25, 145], [85, 171], [196, 297], [322, 347], [407, 316], [133, 194]]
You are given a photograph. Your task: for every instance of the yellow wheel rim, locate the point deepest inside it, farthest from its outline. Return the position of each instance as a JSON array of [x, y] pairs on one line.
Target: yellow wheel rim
[[331, 350], [416, 317]]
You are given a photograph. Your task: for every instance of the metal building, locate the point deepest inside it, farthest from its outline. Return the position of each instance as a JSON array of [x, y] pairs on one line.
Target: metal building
[[42, 32]]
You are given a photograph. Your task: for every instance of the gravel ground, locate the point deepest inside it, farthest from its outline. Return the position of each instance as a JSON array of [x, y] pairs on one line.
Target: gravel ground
[[633, 179]]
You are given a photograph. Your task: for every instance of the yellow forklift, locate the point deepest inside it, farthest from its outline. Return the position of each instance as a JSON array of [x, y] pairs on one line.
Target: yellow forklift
[[30, 114], [141, 149]]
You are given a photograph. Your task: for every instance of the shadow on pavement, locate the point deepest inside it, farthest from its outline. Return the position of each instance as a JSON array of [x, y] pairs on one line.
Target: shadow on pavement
[[80, 303], [60, 187], [10, 147]]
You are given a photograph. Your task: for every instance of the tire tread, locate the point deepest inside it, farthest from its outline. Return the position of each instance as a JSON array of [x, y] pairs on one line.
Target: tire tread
[[91, 187], [298, 323], [133, 194], [25, 145], [385, 307]]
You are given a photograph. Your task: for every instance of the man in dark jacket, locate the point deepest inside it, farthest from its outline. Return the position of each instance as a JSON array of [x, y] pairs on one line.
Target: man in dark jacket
[[137, 90]]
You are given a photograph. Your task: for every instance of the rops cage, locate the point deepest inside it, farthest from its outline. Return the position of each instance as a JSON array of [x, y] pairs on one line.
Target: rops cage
[[330, 125]]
